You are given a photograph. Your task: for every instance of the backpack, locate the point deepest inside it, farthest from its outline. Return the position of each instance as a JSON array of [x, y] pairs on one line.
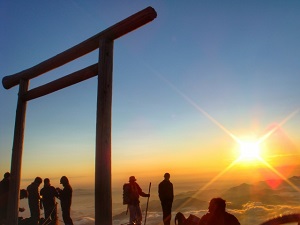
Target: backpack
[[192, 220], [126, 193]]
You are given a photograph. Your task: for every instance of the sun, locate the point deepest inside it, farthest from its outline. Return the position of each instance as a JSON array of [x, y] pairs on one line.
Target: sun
[[249, 151]]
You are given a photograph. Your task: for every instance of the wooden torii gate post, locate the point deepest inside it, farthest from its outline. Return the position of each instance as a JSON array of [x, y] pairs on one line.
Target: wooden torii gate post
[[104, 69]]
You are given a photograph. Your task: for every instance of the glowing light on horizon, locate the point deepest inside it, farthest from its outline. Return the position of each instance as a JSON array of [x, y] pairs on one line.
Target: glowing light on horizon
[[249, 150]]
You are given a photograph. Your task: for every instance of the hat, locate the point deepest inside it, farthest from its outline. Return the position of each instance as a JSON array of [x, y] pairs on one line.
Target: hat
[[132, 178]]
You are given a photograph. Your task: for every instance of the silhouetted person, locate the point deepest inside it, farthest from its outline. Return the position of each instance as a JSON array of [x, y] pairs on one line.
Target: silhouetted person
[[166, 196], [65, 197], [217, 215], [4, 190], [34, 200], [134, 203], [48, 194]]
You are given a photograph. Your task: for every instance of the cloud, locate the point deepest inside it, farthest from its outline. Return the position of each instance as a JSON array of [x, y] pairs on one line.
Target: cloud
[[271, 203], [253, 212], [257, 212], [250, 213]]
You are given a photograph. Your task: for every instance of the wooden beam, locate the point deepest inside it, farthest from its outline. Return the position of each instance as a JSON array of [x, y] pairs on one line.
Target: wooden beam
[[123, 27], [61, 83], [16, 160], [103, 195], [104, 41]]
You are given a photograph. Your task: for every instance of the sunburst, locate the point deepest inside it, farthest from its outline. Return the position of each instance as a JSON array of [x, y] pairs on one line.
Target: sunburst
[[249, 151]]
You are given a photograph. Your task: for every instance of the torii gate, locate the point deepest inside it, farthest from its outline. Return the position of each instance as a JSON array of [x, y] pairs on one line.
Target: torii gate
[[104, 69]]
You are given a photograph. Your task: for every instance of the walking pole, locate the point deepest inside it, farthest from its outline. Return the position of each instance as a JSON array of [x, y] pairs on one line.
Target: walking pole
[[147, 203]]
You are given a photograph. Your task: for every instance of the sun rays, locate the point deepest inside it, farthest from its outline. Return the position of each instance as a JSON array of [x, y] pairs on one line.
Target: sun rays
[[249, 151]]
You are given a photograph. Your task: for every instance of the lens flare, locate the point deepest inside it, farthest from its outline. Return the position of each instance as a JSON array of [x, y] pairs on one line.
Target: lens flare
[[249, 151]]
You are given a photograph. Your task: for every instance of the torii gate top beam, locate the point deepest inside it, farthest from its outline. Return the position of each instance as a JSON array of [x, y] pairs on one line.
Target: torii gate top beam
[[104, 42], [119, 29]]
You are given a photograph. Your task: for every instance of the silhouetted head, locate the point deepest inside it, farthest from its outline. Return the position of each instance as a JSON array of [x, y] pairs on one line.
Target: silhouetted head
[[132, 179], [38, 180], [217, 205], [64, 180], [7, 175], [167, 176], [23, 194], [46, 181]]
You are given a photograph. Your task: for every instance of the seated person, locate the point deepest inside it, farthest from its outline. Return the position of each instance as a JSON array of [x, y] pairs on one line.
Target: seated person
[[217, 215]]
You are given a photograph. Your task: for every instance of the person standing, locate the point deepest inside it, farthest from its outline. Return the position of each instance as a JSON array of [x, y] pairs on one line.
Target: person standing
[[48, 194], [134, 192], [4, 190], [217, 214], [166, 196], [65, 197], [34, 200]]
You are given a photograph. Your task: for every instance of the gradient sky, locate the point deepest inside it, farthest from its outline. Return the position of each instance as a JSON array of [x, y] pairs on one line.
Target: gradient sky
[[184, 87]]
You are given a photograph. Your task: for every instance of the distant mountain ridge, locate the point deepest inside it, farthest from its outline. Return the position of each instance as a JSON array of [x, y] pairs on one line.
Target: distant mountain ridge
[[274, 192], [266, 192]]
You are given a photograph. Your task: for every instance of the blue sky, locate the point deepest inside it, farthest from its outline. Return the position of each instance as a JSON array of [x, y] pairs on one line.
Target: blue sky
[[237, 61]]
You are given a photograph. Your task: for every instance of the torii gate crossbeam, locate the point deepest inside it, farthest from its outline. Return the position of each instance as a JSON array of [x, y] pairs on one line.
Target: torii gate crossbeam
[[104, 69]]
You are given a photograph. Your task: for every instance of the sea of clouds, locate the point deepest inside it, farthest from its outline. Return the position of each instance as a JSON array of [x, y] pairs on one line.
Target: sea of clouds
[[284, 199], [251, 214]]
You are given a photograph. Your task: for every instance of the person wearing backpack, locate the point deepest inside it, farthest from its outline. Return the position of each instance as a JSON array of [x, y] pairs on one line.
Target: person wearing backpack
[[131, 194]]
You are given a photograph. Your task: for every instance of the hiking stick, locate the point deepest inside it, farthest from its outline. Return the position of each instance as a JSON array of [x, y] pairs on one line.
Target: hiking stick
[[147, 204]]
